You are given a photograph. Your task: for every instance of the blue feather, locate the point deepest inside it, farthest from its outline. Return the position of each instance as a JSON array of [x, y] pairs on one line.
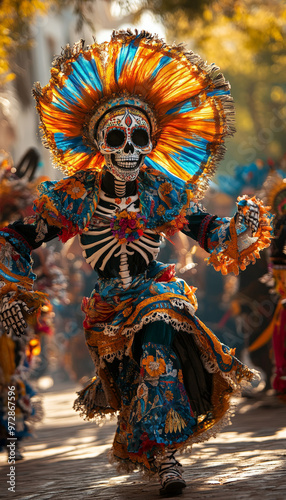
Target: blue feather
[[74, 144], [125, 57], [163, 62]]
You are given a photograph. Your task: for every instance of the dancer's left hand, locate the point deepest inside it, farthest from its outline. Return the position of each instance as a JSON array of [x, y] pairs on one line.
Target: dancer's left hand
[[248, 214]]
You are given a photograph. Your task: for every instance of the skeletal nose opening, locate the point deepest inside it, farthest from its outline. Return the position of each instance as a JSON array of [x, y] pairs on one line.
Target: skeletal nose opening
[[129, 148]]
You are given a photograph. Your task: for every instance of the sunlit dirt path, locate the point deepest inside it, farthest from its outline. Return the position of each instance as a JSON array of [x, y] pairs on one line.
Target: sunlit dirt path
[[68, 458]]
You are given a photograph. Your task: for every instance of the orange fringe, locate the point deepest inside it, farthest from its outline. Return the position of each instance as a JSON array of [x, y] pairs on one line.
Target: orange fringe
[[230, 259]]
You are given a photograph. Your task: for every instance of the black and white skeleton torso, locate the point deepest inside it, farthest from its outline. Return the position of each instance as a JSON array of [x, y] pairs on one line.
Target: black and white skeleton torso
[[102, 250]]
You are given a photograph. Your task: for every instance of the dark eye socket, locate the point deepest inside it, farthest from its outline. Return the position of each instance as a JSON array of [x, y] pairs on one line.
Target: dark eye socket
[[115, 138], [140, 137]]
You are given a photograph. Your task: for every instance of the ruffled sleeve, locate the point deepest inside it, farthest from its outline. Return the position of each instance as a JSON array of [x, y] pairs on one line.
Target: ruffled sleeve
[[70, 203], [231, 246]]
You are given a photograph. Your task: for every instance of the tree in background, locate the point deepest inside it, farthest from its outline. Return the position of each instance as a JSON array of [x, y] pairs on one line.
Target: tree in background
[[16, 20], [246, 39]]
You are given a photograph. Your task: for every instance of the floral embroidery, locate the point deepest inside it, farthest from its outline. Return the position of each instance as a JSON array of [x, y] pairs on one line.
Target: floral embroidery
[[180, 376], [41, 230], [226, 256], [73, 187], [142, 391], [154, 367], [169, 395], [128, 226], [176, 225], [46, 202], [127, 311], [165, 188], [174, 422], [96, 310], [156, 415], [76, 190], [161, 210]]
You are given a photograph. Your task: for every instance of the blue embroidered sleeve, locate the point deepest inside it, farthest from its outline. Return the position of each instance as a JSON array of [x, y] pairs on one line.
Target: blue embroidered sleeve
[[232, 245], [208, 230], [16, 243]]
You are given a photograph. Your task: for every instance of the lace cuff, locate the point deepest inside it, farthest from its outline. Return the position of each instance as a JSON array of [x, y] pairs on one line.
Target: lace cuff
[[240, 248]]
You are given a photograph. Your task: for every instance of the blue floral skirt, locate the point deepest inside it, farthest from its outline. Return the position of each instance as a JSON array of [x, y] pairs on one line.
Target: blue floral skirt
[[158, 367]]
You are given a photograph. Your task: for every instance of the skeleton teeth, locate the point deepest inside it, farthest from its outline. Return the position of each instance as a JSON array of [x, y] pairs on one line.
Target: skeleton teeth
[[127, 164]]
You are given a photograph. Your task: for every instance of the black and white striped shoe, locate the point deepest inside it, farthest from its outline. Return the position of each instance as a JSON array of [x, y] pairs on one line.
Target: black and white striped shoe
[[171, 476]]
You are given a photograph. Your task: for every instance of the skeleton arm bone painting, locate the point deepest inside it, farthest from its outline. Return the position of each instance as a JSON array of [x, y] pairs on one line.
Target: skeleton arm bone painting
[[138, 127]]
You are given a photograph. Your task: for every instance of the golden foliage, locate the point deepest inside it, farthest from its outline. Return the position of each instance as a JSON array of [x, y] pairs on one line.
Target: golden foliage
[[246, 39], [15, 18]]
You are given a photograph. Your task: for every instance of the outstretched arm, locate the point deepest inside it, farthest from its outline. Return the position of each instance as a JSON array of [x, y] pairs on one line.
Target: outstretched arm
[[63, 209], [232, 242], [17, 300]]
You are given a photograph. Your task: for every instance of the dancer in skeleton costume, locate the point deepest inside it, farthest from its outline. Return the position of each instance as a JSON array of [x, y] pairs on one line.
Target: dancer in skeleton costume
[[138, 127], [273, 192]]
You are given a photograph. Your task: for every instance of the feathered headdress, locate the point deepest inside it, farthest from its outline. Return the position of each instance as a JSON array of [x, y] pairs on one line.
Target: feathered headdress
[[187, 101]]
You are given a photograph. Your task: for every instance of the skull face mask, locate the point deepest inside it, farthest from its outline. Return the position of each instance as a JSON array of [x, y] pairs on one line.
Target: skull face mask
[[124, 138]]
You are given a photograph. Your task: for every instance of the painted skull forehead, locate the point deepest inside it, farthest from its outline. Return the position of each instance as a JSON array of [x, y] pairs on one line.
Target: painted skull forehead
[[124, 116], [123, 136]]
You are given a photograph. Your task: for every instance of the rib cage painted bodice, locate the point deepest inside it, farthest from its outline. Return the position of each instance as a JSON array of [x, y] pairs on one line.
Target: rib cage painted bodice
[[105, 254]]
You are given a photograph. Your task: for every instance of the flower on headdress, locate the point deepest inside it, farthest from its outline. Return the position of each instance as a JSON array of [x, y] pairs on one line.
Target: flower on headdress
[[154, 367]]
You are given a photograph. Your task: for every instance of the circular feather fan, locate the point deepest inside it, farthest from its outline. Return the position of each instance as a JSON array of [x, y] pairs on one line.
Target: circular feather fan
[[187, 101]]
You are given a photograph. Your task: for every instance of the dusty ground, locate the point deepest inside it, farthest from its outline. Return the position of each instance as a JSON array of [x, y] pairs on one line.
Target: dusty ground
[[67, 459]]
